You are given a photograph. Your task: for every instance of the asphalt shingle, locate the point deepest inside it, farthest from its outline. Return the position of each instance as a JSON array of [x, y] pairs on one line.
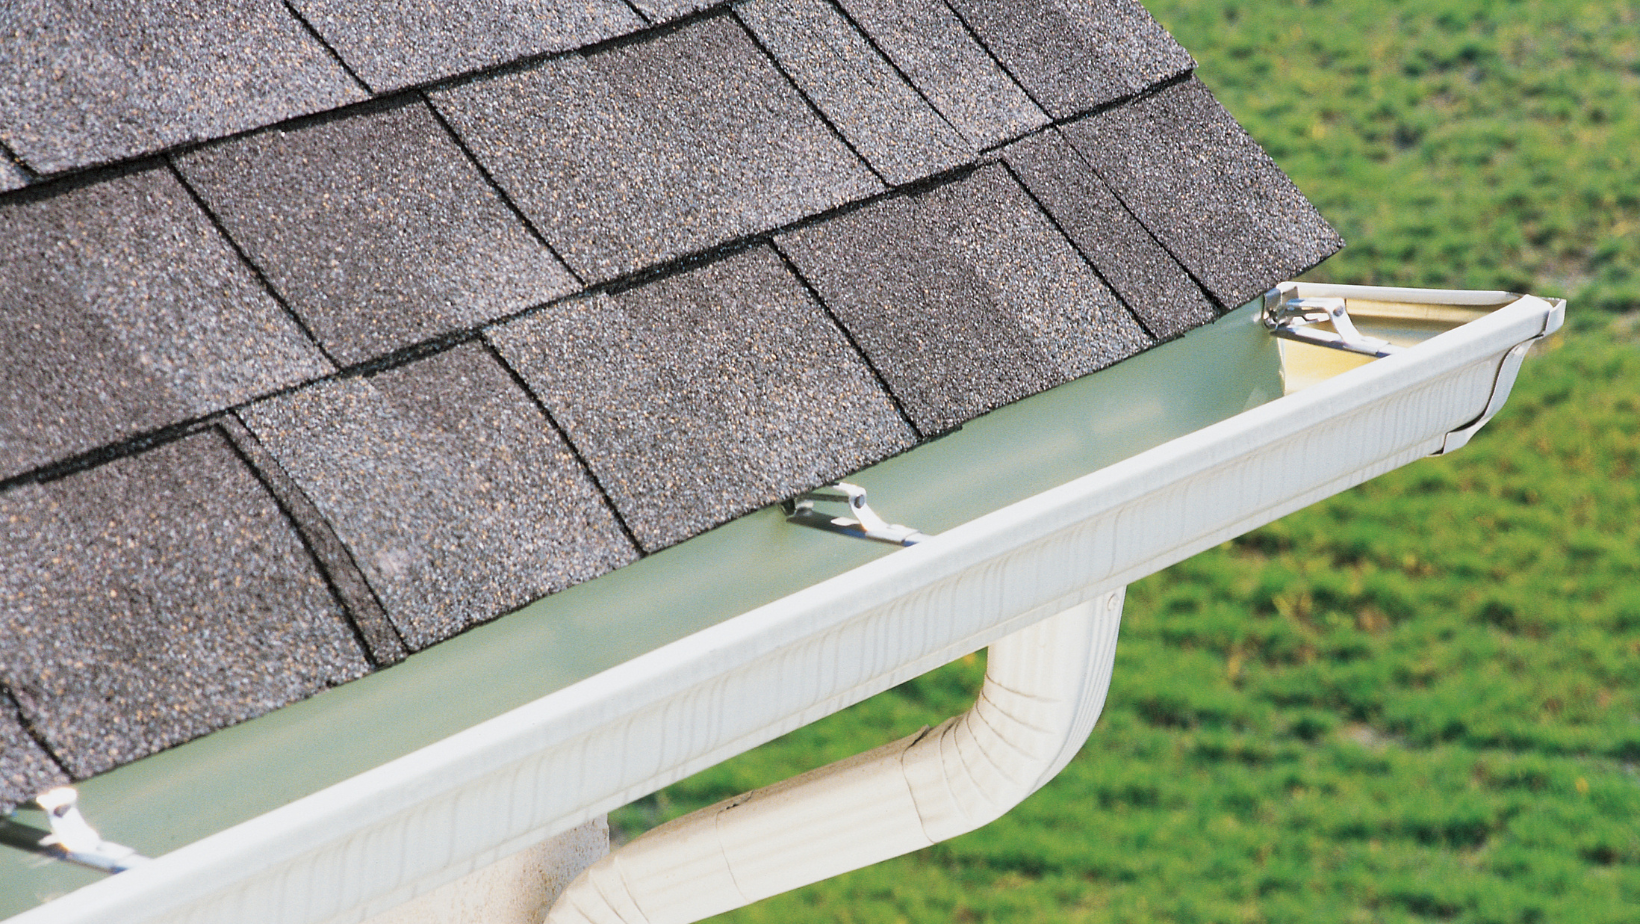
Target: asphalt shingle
[[1074, 55], [704, 395], [85, 83], [398, 43], [1141, 271], [892, 127], [1206, 190], [11, 176], [157, 598], [930, 46], [26, 770], [376, 228], [122, 310], [450, 488], [648, 151], [965, 297], [668, 10]]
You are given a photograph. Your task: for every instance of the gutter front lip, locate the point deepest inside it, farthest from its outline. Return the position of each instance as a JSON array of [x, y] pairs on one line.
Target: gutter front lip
[[369, 842]]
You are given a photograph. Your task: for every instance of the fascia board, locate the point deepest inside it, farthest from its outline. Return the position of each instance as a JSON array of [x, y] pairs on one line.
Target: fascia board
[[372, 841]]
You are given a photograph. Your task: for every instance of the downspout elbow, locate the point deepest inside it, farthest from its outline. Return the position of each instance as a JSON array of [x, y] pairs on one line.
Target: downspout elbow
[[1044, 688]]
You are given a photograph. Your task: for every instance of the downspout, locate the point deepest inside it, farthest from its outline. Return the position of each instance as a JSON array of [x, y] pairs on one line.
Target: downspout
[[1044, 688]]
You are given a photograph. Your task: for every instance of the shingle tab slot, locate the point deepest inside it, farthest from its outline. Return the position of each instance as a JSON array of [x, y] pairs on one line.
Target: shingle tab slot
[[893, 128], [964, 296], [1076, 55], [646, 152], [376, 229], [930, 46], [1206, 190], [452, 491], [1143, 273], [156, 598], [123, 310]]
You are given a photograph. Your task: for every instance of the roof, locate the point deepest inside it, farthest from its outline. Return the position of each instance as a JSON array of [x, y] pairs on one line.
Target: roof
[[329, 330]]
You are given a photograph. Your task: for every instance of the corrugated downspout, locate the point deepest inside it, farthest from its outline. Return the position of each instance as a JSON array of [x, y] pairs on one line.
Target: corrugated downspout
[[1044, 688]]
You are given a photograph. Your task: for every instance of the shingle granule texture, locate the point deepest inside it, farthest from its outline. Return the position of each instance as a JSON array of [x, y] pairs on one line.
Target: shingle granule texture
[[892, 127], [123, 310], [667, 10], [649, 151], [1206, 190], [11, 176], [1074, 55], [157, 598], [376, 229], [26, 770], [450, 488], [965, 297], [397, 43], [930, 46], [85, 84], [704, 395], [1141, 271]]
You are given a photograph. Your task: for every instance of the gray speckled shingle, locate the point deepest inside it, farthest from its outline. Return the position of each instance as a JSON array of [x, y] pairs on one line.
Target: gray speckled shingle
[[123, 310], [1141, 271], [928, 43], [399, 43], [377, 230], [704, 395], [26, 770], [1074, 55], [1206, 190], [645, 152], [455, 496], [156, 598], [11, 176], [667, 10], [965, 297], [94, 83], [893, 128]]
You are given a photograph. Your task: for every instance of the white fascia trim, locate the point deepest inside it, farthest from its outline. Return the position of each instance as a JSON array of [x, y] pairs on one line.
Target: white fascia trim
[[375, 840]]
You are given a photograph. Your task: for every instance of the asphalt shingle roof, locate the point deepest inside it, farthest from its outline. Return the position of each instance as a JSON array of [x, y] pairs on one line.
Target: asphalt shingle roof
[[301, 371], [1160, 292], [886, 121], [83, 84], [1206, 190], [941, 58], [112, 651], [392, 44], [376, 229], [122, 310], [1074, 55]]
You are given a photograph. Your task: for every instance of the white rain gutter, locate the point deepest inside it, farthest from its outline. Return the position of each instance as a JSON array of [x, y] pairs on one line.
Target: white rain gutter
[[373, 841], [1044, 688]]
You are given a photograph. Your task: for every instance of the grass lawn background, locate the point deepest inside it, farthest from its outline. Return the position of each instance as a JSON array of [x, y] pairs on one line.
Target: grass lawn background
[[1417, 701]]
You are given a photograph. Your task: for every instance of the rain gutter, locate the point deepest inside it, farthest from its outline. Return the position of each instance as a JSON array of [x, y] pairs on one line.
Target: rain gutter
[[374, 840]]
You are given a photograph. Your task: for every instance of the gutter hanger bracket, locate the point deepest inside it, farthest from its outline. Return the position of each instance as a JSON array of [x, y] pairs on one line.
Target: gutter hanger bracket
[[860, 523], [71, 837], [1294, 318], [1504, 383]]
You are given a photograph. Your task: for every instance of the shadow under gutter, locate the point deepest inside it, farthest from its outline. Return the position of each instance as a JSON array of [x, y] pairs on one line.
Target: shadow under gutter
[[377, 839]]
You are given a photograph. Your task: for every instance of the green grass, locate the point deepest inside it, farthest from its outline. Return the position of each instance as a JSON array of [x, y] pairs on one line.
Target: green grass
[[1417, 701]]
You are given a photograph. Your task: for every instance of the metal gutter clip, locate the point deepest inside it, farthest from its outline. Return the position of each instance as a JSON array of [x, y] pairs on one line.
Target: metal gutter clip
[[71, 837], [863, 524], [1293, 318], [1508, 369]]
